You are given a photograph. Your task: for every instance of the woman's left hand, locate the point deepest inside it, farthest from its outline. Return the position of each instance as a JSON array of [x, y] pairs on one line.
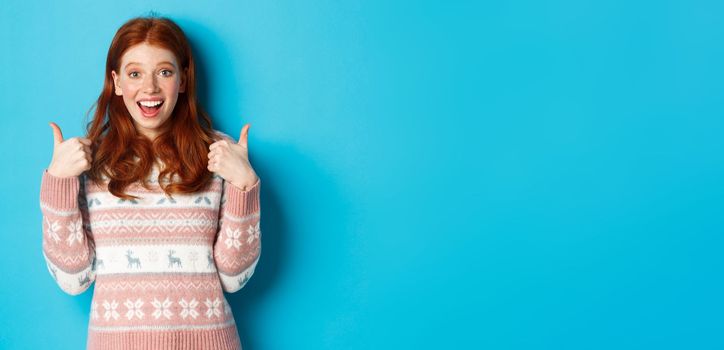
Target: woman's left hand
[[231, 161]]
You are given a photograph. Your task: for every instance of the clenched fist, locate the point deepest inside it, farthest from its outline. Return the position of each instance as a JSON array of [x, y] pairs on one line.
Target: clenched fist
[[70, 157], [231, 161]]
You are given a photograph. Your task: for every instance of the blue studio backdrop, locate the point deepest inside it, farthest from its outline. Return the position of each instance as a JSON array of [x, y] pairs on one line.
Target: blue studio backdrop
[[435, 174]]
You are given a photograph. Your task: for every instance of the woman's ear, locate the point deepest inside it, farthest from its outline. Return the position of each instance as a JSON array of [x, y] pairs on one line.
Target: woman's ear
[[182, 88], [117, 87]]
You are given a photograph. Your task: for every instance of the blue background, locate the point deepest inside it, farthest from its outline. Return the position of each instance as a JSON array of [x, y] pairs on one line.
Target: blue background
[[490, 175]]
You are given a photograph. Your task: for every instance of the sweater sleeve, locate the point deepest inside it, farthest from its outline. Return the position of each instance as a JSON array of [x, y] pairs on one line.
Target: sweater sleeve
[[68, 248], [238, 241]]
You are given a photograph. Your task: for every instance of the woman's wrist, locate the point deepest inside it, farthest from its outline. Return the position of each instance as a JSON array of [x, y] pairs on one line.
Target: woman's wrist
[[245, 182]]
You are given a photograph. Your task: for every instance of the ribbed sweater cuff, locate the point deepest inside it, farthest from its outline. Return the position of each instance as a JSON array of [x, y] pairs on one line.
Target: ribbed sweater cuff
[[242, 203], [59, 192]]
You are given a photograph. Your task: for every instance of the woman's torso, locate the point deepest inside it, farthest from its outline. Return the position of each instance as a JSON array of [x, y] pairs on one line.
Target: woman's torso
[[154, 262]]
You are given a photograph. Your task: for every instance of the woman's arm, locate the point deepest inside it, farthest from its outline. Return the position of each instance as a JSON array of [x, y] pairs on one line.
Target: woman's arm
[[67, 249], [238, 241]]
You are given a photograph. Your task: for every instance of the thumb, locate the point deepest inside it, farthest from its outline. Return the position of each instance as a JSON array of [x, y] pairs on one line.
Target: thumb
[[57, 134], [244, 137]]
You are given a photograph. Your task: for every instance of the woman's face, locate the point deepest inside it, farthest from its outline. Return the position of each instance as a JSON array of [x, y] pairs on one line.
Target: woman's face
[[149, 75]]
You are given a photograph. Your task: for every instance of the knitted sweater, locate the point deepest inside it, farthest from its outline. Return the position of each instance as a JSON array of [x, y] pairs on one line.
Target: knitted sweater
[[160, 264]]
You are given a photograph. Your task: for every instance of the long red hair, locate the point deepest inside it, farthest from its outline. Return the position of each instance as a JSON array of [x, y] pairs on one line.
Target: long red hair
[[183, 145]]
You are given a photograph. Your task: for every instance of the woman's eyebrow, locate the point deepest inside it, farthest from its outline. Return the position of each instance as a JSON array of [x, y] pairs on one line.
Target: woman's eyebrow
[[160, 63]]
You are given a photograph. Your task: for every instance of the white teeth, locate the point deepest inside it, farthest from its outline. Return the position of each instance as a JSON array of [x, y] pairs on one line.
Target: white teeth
[[150, 103]]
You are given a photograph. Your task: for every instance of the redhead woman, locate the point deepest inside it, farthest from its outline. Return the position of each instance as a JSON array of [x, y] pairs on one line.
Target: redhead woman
[[156, 207]]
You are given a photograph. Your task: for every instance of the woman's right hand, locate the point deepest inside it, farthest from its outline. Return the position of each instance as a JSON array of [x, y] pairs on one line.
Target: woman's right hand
[[70, 157]]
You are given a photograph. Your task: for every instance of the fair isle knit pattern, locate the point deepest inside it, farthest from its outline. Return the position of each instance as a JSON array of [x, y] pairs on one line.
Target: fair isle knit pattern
[[160, 264]]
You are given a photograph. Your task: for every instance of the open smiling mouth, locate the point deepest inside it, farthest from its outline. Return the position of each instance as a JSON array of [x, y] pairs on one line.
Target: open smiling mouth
[[150, 109]]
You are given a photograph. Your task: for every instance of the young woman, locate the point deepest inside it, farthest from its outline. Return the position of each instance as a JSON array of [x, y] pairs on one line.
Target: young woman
[[154, 205]]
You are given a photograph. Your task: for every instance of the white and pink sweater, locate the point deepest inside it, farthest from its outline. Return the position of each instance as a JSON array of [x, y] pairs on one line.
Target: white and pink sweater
[[160, 264]]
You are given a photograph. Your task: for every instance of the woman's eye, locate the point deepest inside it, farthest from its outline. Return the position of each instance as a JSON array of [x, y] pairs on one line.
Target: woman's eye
[[131, 74], [166, 73]]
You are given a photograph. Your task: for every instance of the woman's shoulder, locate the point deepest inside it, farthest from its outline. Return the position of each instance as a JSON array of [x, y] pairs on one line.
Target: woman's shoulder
[[219, 135]]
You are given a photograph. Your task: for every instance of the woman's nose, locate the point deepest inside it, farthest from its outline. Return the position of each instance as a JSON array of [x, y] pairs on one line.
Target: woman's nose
[[150, 83]]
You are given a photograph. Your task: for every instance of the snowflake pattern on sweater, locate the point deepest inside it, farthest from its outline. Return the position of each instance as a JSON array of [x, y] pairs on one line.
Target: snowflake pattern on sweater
[[159, 263]]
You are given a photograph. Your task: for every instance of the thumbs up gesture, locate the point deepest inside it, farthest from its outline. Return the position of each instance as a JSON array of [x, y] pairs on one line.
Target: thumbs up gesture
[[231, 161], [70, 157]]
